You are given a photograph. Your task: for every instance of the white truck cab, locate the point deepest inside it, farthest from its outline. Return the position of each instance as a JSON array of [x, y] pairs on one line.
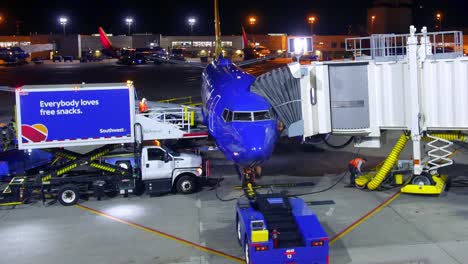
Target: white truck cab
[[164, 169], [161, 169]]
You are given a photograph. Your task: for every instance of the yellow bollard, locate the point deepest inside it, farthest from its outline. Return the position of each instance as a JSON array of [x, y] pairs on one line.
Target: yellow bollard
[[192, 118]]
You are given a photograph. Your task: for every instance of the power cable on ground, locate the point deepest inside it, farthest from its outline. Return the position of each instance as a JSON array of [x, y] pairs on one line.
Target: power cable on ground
[[218, 185], [355, 153]]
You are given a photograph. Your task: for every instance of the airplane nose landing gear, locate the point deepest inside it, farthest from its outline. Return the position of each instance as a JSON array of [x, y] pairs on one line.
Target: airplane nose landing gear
[[249, 175]]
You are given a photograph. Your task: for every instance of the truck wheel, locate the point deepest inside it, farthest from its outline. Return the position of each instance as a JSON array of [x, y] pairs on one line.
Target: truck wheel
[[68, 194], [424, 179], [186, 184], [246, 252]]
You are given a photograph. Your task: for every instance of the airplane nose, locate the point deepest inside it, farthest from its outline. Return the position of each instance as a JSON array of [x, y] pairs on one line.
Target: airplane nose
[[257, 143]]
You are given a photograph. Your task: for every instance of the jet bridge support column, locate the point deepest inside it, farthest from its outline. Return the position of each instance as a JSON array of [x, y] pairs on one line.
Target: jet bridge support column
[[415, 104]]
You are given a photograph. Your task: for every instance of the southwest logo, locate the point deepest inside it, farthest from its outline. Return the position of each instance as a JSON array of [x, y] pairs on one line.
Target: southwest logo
[[35, 133]]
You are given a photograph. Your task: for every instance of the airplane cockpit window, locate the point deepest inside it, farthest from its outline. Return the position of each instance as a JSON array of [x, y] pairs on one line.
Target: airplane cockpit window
[[262, 115], [242, 116], [227, 115], [247, 116]]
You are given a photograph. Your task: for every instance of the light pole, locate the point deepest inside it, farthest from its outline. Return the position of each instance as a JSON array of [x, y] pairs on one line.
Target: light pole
[[311, 21], [129, 22], [191, 21], [439, 20], [252, 23], [372, 24], [63, 21]]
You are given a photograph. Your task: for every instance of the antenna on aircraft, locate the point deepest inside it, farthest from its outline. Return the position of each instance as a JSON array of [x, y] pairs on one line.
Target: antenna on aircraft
[[217, 30]]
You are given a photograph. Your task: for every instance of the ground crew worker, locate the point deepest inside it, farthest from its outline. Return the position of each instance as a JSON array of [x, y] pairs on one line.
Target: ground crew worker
[[354, 169], [143, 106]]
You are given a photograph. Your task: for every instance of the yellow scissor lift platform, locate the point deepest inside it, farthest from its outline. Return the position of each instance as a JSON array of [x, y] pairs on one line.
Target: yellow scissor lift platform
[[426, 183]]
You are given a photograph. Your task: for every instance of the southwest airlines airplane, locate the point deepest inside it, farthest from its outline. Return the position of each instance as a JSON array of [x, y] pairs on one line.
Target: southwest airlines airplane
[[241, 122]]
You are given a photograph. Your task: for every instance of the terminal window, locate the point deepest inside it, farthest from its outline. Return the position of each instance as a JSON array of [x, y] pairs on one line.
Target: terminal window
[[181, 43], [7, 44], [203, 44], [226, 43]]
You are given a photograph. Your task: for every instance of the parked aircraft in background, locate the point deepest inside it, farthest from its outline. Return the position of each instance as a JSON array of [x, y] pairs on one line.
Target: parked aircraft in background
[[130, 56]]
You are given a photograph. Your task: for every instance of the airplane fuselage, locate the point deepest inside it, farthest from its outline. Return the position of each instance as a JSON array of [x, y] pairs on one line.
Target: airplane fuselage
[[241, 122]]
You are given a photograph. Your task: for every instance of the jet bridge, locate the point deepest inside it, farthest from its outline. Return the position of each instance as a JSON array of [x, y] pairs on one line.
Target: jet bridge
[[416, 82]]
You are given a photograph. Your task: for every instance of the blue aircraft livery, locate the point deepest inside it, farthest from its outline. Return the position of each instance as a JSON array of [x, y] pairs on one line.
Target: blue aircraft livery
[[241, 122], [49, 116]]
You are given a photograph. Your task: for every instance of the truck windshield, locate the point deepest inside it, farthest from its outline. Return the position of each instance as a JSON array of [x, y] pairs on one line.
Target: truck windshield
[[172, 152]]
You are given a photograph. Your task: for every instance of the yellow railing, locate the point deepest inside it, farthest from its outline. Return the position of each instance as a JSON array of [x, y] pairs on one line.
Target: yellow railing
[[186, 100]]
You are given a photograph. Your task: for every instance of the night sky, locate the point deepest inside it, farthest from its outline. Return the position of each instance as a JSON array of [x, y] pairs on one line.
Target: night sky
[[169, 17]]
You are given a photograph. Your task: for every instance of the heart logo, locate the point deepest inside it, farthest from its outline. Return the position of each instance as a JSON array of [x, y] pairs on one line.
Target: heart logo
[[35, 133]]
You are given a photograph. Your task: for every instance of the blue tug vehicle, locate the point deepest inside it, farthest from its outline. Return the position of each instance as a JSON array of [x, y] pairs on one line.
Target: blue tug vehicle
[[275, 228]]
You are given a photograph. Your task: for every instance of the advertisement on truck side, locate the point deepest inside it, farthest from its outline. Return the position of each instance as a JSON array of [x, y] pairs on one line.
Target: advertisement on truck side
[[61, 117]]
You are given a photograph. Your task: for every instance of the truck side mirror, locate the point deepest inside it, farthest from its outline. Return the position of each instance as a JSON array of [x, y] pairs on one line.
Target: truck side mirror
[[167, 158]]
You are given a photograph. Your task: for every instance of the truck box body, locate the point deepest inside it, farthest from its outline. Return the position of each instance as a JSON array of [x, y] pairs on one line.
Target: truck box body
[[50, 116]]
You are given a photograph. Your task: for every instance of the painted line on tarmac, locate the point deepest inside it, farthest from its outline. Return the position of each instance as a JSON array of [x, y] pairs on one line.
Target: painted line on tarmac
[[288, 185], [162, 234], [364, 218]]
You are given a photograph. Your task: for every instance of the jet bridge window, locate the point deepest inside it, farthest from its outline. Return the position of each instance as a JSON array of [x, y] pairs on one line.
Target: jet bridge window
[[242, 116], [261, 115]]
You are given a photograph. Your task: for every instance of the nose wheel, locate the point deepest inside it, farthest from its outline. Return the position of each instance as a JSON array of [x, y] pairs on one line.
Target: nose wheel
[[248, 176]]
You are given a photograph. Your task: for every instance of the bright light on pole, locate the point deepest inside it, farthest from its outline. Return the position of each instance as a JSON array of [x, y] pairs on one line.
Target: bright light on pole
[[191, 21], [372, 24], [63, 21], [439, 20], [129, 22], [252, 21], [311, 21]]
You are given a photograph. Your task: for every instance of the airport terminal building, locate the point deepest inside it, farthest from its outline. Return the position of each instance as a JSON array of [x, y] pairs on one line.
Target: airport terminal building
[[325, 46]]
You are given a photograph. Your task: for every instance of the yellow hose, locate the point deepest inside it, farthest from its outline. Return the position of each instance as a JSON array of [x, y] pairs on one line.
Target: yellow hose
[[362, 180], [388, 164], [449, 136], [373, 181]]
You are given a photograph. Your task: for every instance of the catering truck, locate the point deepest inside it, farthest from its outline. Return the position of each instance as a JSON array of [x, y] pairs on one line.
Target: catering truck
[[83, 126]]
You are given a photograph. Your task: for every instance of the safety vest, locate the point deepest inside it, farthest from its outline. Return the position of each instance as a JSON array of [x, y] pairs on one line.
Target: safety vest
[[355, 162], [142, 107]]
